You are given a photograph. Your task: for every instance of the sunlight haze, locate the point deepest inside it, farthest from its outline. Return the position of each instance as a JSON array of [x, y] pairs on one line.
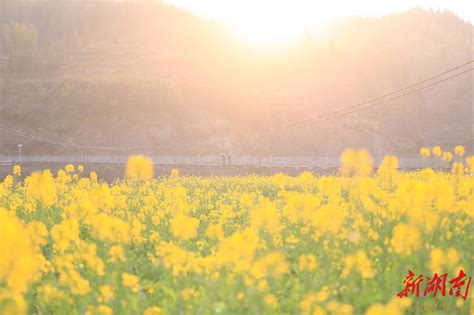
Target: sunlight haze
[[270, 22]]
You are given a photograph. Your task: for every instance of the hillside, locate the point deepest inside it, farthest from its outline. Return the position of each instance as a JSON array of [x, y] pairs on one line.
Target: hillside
[[147, 74]]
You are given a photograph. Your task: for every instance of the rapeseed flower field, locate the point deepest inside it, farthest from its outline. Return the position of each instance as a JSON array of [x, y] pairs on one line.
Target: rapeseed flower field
[[342, 244]]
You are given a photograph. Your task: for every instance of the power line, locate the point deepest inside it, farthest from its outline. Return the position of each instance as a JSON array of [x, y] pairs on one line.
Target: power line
[[344, 111], [407, 90], [30, 137], [61, 142]]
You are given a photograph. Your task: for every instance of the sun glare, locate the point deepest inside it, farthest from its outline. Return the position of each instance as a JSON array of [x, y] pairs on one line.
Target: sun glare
[[267, 24], [259, 22], [264, 22]]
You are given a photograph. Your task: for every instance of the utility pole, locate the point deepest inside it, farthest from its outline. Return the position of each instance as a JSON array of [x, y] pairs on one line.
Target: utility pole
[[19, 153], [271, 147]]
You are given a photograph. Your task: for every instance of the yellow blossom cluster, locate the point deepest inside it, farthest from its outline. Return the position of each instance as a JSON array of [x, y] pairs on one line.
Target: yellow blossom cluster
[[139, 167], [356, 162], [307, 244], [389, 166]]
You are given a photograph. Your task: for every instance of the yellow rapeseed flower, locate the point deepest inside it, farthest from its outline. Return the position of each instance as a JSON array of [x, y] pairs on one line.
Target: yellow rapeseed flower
[[459, 150], [116, 253], [406, 239], [99, 310], [447, 156], [184, 227], [69, 168], [174, 173], [41, 186], [17, 170], [139, 167], [308, 262], [356, 163], [131, 281], [106, 294], [425, 152], [267, 243], [186, 294], [458, 168], [389, 166], [153, 310], [18, 258], [437, 150], [271, 300]]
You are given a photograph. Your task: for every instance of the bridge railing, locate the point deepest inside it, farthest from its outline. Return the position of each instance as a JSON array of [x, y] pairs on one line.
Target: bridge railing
[[241, 161]]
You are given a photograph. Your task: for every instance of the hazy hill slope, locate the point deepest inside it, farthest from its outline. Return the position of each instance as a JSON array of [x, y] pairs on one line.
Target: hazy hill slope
[[140, 75]]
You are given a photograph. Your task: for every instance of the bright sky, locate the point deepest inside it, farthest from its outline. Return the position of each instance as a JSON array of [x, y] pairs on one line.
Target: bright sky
[[268, 21]]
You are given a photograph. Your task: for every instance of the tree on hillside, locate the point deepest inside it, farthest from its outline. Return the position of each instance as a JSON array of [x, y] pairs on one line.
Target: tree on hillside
[[21, 39]]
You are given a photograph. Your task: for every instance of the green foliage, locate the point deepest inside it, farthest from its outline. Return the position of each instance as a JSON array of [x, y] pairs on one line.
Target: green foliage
[[20, 37], [21, 40]]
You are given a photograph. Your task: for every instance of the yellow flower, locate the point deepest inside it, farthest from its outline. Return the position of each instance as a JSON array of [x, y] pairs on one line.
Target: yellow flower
[[175, 173], [406, 239], [51, 294], [93, 176], [425, 152], [12, 302], [106, 294], [41, 186], [313, 298], [139, 167], [391, 308], [440, 259], [308, 262], [7, 183], [66, 241], [271, 265], [153, 310], [17, 170], [65, 234], [215, 231], [459, 150], [453, 257], [262, 285], [339, 308], [470, 163], [389, 166], [38, 233], [437, 260], [99, 310], [131, 281], [437, 150], [110, 229], [266, 216], [356, 163], [361, 262], [447, 156], [458, 168], [69, 168], [189, 293], [116, 253], [18, 263], [364, 265], [184, 227], [271, 300], [308, 305]]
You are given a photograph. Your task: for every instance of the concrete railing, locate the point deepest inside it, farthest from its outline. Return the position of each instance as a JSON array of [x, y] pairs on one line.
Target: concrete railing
[[251, 161]]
